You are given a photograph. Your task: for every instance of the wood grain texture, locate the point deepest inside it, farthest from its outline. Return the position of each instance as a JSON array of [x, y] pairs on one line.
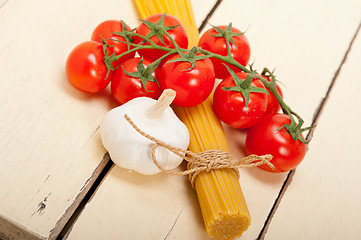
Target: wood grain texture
[[49, 145], [306, 45], [132, 206], [306, 53], [323, 201]]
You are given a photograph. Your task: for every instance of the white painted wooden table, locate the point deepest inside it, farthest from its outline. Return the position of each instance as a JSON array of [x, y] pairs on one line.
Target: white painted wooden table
[[51, 154]]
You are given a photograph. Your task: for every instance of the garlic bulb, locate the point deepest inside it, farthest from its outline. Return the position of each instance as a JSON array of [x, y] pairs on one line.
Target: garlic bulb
[[129, 149]]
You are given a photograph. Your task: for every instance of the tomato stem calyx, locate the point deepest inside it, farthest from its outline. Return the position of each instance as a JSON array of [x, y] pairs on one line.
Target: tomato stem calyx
[[226, 33], [157, 29], [295, 129], [144, 76], [127, 35], [243, 86]]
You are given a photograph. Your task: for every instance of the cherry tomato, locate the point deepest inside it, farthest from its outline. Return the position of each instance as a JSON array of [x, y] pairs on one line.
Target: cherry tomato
[[125, 87], [193, 85], [179, 35], [272, 104], [106, 30], [85, 68], [230, 106], [268, 137], [240, 50]]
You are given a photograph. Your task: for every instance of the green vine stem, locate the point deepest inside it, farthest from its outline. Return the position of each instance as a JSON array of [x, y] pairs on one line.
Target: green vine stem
[[294, 128]]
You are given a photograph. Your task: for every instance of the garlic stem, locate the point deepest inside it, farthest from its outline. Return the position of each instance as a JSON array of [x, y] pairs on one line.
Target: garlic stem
[[165, 99]]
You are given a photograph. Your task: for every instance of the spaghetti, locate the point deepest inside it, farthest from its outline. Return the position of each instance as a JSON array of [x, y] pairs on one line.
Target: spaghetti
[[220, 196]]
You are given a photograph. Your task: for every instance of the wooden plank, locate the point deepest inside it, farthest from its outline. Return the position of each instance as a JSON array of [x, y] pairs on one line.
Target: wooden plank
[[323, 201], [305, 52], [11, 230], [50, 148], [138, 207], [279, 33]]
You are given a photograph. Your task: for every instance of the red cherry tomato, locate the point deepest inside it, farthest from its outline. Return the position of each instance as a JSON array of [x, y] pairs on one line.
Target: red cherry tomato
[[240, 50], [193, 86], [125, 87], [179, 35], [85, 68], [230, 106], [268, 137], [272, 104], [106, 30]]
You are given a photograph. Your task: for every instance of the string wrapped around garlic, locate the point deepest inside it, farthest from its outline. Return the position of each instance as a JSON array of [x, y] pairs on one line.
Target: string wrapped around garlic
[[129, 149]]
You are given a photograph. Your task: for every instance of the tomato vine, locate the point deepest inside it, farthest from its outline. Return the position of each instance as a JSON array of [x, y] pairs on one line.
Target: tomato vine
[[295, 128]]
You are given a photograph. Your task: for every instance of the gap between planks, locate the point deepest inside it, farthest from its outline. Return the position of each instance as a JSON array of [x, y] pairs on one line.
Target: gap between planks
[[316, 116], [86, 192], [209, 15]]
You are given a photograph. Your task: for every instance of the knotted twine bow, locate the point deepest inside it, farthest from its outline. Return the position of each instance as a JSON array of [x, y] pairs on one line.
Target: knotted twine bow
[[203, 161]]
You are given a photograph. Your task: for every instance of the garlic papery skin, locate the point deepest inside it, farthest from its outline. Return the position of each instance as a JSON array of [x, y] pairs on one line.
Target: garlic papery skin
[[129, 149]]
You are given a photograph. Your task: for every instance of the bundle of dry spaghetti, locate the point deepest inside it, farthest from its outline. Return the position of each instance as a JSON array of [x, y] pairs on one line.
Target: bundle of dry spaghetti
[[220, 196]]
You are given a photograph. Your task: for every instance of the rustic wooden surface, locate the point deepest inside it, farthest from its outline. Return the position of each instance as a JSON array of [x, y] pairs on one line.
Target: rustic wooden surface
[[51, 154], [306, 45], [324, 199], [49, 143]]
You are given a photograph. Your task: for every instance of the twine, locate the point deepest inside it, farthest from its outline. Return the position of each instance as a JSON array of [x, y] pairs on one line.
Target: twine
[[203, 161]]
